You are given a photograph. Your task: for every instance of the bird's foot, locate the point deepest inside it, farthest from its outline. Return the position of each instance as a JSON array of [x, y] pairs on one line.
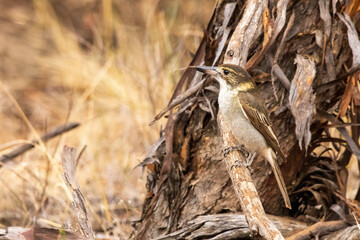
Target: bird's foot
[[240, 148], [249, 158], [246, 164]]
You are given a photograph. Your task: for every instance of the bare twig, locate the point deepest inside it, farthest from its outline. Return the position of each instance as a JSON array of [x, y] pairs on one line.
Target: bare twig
[[338, 80], [352, 145], [179, 99], [276, 68], [336, 125], [80, 155], [224, 30], [69, 162], [320, 228], [280, 49], [49, 135], [281, 75]]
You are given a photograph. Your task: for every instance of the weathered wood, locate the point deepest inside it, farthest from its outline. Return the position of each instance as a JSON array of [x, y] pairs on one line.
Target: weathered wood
[[69, 163], [245, 34], [196, 182], [318, 229], [228, 226], [349, 233], [38, 233], [243, 37], [245, 189]]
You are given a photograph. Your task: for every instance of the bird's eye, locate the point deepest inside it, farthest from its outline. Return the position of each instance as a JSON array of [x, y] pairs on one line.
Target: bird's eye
[[226, 72]]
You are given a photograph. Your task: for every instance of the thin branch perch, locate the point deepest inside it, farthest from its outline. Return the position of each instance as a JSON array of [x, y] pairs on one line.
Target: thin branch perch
[[244, 35]]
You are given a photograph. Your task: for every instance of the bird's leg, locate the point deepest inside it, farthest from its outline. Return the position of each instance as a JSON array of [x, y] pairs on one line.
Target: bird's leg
[[249, 158]]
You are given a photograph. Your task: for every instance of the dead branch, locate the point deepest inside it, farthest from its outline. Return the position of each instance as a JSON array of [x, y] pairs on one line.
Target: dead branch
[[349, 233], [351, 143], [44, 233], [47, 136], [275, 69], [318, 229], [246, 190], [179, 99], [69, 162], [245, 34]]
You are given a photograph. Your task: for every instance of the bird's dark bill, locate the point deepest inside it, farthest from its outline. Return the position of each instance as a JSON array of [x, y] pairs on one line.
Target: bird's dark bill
[[207, 69]]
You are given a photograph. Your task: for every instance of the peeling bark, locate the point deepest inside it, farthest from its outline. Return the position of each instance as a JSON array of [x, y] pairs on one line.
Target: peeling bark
[[188, 179]]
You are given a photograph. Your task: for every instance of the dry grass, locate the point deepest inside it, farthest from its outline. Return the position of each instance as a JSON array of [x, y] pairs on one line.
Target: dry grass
[[110, 65]]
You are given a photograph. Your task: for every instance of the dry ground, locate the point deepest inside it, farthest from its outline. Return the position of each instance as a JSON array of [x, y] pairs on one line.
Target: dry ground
[[110, 65]]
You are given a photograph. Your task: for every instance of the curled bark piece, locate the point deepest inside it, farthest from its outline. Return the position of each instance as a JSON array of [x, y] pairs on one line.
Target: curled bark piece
[[272, 28], [224, 30], [353, 39], [328, 57], [301, 98]]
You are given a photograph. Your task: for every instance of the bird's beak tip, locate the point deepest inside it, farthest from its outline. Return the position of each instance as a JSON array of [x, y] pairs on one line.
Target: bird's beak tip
[[206, 69]]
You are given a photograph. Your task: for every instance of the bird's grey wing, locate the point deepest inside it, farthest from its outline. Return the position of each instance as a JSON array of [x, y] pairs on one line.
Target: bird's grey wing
[[257, 114]]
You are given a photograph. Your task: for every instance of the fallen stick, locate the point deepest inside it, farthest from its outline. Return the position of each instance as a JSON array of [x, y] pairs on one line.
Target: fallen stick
[[318, 229]]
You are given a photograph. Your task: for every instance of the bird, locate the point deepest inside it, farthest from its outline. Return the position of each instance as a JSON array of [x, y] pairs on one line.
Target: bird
[[244, 112]]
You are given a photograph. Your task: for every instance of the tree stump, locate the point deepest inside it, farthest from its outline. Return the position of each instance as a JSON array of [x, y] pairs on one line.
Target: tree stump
[[187, 177]]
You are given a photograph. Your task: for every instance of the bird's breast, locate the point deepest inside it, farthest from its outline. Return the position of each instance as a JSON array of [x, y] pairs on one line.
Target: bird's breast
[[244, 132]]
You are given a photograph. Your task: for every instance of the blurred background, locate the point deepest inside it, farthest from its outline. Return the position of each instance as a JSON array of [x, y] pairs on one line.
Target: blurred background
[[110, 65]]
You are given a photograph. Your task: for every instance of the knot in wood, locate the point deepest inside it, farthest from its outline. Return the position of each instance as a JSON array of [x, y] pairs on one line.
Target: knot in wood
[[230, 53]]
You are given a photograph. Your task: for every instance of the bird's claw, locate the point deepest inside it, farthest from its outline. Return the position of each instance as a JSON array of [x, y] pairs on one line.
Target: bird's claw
[[240, 148], [243, 164], [249, 158]]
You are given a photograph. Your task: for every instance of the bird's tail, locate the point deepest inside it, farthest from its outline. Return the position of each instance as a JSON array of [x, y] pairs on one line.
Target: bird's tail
[[279, 178]]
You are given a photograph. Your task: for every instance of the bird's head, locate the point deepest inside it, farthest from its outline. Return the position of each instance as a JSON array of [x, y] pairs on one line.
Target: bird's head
[[230, 76]]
